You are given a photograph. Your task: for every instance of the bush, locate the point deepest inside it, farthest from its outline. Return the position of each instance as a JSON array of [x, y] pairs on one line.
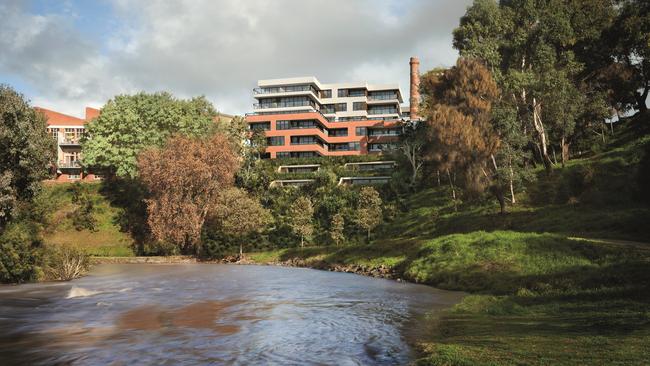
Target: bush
[[19, 253], [82, 217], [65, 263]]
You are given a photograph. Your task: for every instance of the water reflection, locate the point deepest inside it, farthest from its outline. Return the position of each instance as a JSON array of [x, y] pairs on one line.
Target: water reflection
[[198, 314]]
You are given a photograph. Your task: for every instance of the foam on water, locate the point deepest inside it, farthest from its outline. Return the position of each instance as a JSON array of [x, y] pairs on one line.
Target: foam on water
[[80, 292]]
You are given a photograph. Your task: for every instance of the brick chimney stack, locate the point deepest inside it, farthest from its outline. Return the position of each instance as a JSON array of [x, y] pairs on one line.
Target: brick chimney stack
[[414, 100]]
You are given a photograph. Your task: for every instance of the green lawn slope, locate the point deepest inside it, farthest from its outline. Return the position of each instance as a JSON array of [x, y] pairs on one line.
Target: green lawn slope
[[106, 240], [562, 279]]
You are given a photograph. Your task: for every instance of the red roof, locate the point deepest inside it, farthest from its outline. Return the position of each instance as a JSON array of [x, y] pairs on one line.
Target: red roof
[[60, 119]]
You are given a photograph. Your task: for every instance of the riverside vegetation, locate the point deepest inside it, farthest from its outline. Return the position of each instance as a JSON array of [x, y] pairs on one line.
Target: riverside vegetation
[[513, 189]]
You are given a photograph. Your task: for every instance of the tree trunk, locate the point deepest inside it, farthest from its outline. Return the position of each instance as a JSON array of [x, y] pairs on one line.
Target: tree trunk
[[302, 241], [453, 190], [512, 178], [502, 200], [438, 174], [368, 235], [541, 132], [241, 251], [565, 151]]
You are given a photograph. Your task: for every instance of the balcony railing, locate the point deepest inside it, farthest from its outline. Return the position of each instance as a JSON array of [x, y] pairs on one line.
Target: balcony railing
[[69, 142], [285, 89], [301, 103], [69, 164], [382, 96]]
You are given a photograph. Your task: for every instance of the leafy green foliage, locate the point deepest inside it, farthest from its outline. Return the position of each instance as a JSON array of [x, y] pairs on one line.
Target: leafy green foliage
[[82, 216], [368, 211], [337, 228], [26, 150], [301, 215], [20, 252], [129, 123]]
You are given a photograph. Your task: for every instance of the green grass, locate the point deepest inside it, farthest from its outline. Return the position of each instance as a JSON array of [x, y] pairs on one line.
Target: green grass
[[106, 240], [539, 295]]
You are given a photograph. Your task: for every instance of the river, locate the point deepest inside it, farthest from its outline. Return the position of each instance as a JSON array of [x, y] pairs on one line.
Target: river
[[197, 314]]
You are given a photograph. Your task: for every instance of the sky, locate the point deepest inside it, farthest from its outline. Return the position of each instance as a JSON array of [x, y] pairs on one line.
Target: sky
[[66, 55]]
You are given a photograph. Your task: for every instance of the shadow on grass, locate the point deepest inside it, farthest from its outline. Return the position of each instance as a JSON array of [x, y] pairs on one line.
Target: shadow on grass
[[128, 195]]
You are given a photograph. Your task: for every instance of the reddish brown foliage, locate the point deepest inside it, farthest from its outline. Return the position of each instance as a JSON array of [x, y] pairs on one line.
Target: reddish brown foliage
[[184, 178]]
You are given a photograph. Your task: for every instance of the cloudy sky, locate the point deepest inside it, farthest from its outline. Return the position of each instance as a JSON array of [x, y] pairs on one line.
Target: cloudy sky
[[65, 55]]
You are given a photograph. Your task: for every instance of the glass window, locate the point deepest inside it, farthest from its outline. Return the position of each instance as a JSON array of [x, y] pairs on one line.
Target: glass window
[[342, 93], [338, 132], [382, 95], [260, 125], [341, 107], [357, 92], [275, 141], [359, 106], [283, 154], [304, 140], [327, 108], [382, 110], [326, 93], [282, 125], [361, 131], [354, 146]]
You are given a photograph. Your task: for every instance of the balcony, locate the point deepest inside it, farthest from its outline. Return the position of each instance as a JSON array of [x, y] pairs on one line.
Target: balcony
[[372, 97], [285, 89], [70, 142], [289, 104], [76, 164]]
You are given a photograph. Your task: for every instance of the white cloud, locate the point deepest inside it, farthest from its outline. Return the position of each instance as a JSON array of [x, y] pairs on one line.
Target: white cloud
[[221, 48]]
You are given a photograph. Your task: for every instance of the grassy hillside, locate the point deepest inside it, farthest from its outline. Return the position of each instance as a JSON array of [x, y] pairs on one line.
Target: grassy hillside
[[543, 290], [105, 240]]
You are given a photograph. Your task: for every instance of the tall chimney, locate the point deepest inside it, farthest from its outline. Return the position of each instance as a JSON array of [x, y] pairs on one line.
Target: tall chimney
[[414, 100]]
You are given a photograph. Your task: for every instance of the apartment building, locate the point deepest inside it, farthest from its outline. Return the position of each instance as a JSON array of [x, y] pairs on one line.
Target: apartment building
[[67, 131], [303, 117]]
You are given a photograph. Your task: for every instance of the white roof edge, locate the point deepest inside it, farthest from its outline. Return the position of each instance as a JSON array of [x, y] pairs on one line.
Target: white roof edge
[[369, 177], [371, 162], [299, 165]]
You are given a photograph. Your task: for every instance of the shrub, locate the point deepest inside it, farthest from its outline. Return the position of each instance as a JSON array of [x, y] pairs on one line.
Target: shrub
[[65, 263], [82, 217], [19, 253]]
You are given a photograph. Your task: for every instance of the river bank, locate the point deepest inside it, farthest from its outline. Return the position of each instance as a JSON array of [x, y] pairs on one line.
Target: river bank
[[577, 301], [380, 271]]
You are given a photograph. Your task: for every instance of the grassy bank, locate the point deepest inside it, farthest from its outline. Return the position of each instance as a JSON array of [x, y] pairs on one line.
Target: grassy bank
[[106, 239], [539, 295], [536, 298]]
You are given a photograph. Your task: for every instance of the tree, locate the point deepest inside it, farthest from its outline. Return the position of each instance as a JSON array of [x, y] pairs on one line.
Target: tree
[[412, 143], [369, 213], [82, 216], [251, 145], [301, 214], [26, 151], [536, 52], [629, 39], [128, 124], [185, 178], [336, 229], [461, 132], [239, 215]]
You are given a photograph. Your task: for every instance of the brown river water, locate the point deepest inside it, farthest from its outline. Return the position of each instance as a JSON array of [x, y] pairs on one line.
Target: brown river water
[[198, 314]]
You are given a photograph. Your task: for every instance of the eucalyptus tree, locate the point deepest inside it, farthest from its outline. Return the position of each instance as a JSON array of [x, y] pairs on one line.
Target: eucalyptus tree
[[534, 50]]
